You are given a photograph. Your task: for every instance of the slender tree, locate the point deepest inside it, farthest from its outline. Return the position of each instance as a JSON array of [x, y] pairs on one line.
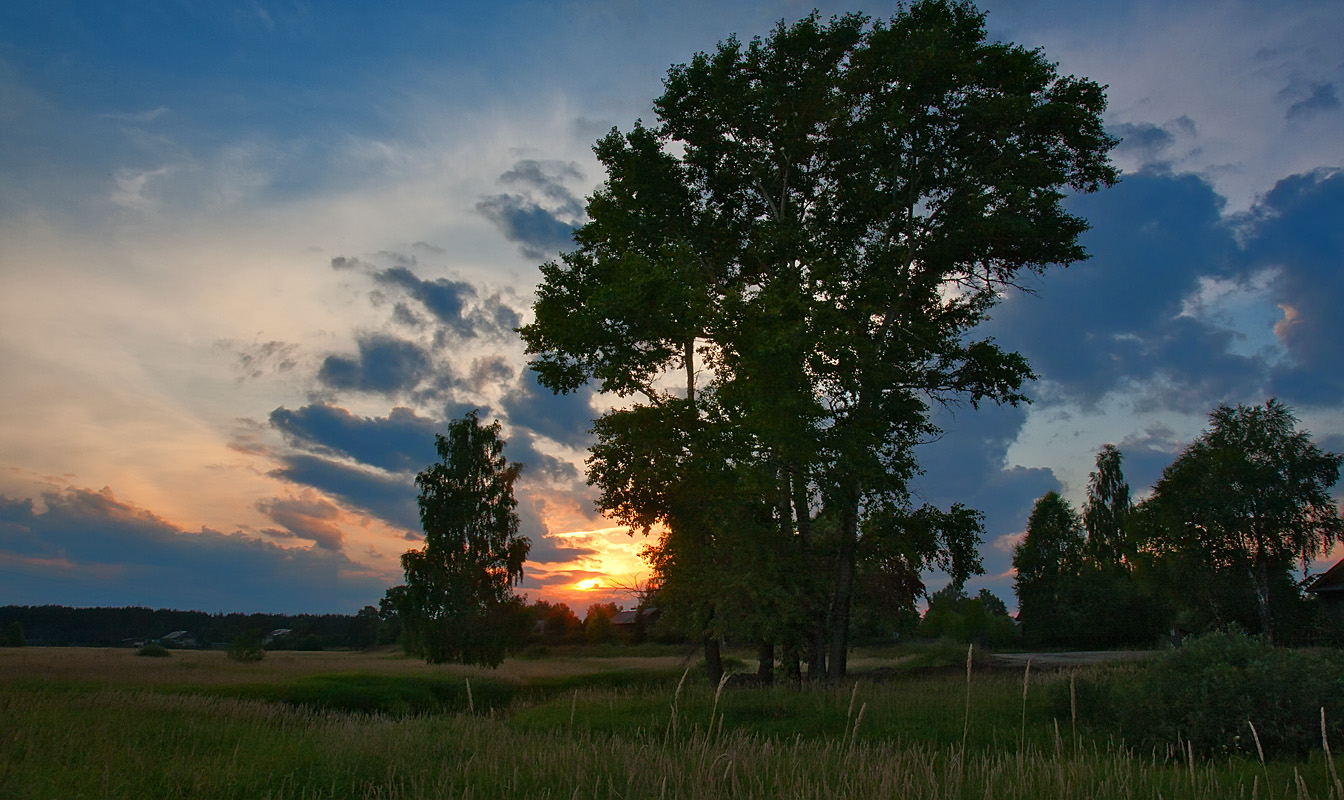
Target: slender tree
[[1047, 561], [458, 604], [1107, 510], [1252, 495]]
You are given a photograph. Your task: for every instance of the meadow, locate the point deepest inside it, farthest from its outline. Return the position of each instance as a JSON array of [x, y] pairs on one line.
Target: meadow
[[574, 724]]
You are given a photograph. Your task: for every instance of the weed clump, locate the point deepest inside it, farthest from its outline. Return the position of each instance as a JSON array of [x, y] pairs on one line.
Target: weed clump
[[1208, 694], [247, 647], [153, 651]]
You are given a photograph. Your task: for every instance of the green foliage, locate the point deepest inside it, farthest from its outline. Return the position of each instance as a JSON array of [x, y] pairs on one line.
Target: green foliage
[[793, 221], [1249, 497], [458, 604], [597, 624], [246, 647], [1045, 559], [14, 635], [982, 620], [154, 651], [1205, 693], [1107, 512]]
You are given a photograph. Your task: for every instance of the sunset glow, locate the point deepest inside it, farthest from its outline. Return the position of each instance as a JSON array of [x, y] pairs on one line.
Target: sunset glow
[[238, 307]]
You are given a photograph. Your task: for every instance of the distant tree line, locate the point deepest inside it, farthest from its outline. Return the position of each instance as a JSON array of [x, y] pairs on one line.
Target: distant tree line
[[1213, 546], [115, 627]]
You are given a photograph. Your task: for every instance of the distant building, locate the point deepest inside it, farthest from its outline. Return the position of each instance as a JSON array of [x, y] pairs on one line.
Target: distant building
[[178, 639], [1329, 588], [278, 633], [628, 620]]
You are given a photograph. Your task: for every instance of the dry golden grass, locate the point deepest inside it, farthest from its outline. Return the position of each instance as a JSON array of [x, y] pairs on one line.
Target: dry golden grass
[[122, 667]]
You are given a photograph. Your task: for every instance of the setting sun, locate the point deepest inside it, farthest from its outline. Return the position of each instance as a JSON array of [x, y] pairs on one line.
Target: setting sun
[[588, 584]]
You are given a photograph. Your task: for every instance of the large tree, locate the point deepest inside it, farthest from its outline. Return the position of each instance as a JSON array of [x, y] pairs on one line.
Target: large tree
[[817, 223], [1250, 495], [458, 603]]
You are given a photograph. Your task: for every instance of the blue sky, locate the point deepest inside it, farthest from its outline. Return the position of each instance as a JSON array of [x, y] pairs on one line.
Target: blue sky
[[255, 254]]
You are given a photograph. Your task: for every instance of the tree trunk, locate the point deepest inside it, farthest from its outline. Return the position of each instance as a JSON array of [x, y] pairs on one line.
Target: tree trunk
[[713, 660], [765, 673], [791, 663], [844, 584], [1260, 579], [816, 642]]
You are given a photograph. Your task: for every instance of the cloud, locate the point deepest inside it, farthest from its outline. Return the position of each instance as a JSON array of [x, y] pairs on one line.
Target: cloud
[[390, 498], [541, 219], [307, 517], [450, 302], [399, 442], [1296, 231], [1322, 97], [565, 418], [88, 548], [968, 465], [1117, 320], [550, 550], [255, 360], [384, 365]]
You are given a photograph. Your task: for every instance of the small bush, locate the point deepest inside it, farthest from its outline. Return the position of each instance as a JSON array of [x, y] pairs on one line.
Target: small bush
[[1206, 692], [153, 651], [247, 648]]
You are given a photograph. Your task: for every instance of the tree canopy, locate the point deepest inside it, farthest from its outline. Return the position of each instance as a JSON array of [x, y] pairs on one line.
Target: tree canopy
[[1250, 495], [806, 240], [458, 604]]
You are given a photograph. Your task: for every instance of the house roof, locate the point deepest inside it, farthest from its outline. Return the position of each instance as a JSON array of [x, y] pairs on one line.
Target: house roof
[[633, 615], [1330, 582]]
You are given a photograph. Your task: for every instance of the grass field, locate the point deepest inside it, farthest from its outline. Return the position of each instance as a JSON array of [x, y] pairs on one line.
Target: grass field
[[107, 724]]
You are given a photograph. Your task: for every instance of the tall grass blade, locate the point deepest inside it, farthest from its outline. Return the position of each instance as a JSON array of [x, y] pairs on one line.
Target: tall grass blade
[[1330, 759], [966, 725]]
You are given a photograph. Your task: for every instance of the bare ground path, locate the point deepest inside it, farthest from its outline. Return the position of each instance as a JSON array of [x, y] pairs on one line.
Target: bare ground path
[[1076, 658]]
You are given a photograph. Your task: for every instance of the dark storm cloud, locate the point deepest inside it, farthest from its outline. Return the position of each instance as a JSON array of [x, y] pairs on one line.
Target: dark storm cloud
[[1299, 230], [90, 549], [541, 217], [390, 498], [1115, 319], [384, 365], [1321, 97], [399, 442], [564, 418]]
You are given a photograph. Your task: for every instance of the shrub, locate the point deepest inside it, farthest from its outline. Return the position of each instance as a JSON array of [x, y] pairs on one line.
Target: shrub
[[247, 647], [153, 651], [1207, 691]]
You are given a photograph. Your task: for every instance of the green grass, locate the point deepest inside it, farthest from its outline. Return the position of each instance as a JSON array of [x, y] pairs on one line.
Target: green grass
[[618, 733]]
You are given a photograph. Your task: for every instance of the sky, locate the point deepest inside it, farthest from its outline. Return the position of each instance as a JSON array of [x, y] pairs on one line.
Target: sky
[[254, 255]]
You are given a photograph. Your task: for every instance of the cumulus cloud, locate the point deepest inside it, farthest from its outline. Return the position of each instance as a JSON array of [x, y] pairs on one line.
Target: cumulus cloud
[[87, 548], [390, 498], [542, 214], [383, 365], [399, 442], [566, 419], [307, 516]]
